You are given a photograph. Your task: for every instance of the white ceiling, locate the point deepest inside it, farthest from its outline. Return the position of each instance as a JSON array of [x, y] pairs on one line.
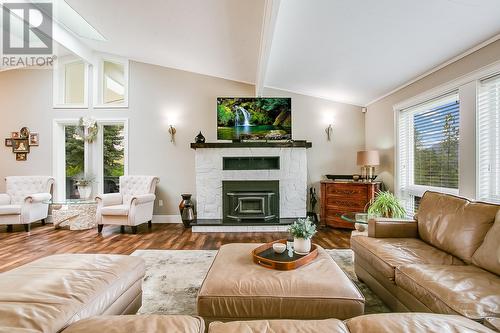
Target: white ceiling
[[358, 50], [213, 37], [345, 50]]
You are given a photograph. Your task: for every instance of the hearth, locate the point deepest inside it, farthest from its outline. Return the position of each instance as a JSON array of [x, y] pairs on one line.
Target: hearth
[[251, 201]]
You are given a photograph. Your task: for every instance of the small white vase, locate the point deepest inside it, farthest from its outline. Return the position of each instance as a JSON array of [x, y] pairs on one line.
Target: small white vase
[[302, 245], [85, 191]]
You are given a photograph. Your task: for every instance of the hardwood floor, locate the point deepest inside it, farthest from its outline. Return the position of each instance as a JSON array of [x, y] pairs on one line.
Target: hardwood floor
[[19, 247]]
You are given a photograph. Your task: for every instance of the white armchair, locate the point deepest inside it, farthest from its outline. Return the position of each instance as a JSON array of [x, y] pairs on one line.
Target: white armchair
[[25, 201], [131, 207]]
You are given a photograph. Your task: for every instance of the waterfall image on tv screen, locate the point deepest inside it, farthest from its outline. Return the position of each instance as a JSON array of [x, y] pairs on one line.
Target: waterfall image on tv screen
[[254, 118]]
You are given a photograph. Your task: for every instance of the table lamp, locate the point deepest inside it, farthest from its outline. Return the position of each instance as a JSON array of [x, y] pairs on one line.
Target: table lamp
[[368, 159]]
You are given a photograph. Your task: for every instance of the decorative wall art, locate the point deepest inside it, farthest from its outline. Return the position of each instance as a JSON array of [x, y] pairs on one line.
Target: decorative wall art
[[21, 142]]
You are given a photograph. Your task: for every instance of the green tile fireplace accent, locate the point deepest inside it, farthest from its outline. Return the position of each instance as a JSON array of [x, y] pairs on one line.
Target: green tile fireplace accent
[[250, 201], [251, 163]]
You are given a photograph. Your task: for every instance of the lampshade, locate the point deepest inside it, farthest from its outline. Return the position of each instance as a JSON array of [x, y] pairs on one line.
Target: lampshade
[[368, 157]]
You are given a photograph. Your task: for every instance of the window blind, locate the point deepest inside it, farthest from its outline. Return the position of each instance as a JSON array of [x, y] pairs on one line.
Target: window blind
[[488, 132], [428, 138]]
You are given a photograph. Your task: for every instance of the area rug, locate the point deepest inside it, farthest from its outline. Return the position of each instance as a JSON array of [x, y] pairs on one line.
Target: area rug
[[173, 278]]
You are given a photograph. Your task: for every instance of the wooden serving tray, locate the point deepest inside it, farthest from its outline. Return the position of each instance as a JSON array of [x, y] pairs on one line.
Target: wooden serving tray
[[265, 256]]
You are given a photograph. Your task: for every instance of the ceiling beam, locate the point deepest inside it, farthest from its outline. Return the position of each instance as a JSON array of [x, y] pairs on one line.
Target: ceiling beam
[[271, 9]]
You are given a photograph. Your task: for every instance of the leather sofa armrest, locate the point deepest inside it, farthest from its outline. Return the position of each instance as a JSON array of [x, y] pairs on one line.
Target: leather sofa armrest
[[392, 228], [37, 198], [109, 199], [4, 199], [142, 198]]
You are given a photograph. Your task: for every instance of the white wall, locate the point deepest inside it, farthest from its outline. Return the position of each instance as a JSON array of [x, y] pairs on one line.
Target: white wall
[[158, 94], [380, 116], [311, 116]]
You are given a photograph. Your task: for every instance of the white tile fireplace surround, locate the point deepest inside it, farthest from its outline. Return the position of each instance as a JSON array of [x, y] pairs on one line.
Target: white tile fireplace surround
[[292, 177]]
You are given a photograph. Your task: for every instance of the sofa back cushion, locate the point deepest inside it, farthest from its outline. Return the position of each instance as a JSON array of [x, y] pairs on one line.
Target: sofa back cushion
[[19, 187], [487, 255], [453, 224], [136, 185]]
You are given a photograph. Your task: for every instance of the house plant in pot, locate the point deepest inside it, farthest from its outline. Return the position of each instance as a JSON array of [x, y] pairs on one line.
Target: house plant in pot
[[302, 231], [386, 205], [84, 185]]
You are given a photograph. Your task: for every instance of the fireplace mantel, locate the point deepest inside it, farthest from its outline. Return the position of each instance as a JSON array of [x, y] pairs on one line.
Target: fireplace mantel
[[268, 144]]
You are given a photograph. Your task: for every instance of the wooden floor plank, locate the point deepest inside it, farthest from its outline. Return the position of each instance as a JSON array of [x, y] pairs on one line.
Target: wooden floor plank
[[19, 247]]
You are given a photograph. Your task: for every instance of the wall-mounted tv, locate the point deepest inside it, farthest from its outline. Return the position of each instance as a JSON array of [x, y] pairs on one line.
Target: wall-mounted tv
[[261, 118]]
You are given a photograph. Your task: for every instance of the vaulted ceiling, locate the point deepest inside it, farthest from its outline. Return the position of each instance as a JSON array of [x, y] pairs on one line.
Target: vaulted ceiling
[[352, 51]]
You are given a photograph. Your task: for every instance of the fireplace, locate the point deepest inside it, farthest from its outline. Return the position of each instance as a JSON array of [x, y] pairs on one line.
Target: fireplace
[[251, 201]]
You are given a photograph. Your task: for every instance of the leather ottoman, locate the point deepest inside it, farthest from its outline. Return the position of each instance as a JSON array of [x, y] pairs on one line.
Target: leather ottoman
[[49, 294], [143, 323], [237, 289]]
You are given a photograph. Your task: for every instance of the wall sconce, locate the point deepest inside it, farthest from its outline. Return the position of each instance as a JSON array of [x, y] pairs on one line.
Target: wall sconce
[[329, 131], [172, 132]]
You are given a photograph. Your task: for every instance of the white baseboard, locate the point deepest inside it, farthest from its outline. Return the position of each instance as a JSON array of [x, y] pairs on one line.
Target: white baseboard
[[167, 219]]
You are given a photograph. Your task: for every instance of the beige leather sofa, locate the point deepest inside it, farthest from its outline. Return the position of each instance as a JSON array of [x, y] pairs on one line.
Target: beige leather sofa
[[446, 261], [48, 294], [379, 323]]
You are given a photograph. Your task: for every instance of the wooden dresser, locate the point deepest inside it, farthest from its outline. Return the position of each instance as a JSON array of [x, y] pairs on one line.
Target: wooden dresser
[[339, 197]]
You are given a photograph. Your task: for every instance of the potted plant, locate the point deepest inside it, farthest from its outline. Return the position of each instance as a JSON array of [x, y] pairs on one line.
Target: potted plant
[[302, 231], [84, 185], [386, 205]]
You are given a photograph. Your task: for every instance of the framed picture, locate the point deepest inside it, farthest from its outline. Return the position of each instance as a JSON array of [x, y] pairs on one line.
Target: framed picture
[[21, 156], [8, 142], [20, 146], [14, 135], [24, 133], [33, 139]]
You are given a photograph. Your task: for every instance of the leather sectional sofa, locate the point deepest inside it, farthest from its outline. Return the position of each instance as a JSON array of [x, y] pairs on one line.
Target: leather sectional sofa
[[378, 323], [51, 293], [445, 261]]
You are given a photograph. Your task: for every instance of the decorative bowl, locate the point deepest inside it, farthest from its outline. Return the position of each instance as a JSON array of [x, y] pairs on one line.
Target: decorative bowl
[[279, 247]]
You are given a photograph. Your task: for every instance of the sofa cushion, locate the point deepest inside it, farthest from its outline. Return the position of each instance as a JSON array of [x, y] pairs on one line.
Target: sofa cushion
[[487, 255], [385, 254], [50, 293], [10, 209], [414, 323], [455, 225], [120, 210], [466, 290], [143, 323], [279, 326]]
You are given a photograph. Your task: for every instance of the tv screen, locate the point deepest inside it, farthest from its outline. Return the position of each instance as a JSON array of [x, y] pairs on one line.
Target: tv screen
[[254, 118]]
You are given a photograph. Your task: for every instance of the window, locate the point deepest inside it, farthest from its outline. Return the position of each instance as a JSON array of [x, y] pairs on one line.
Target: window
[[113, 157], [428, 145], [70, 83], [103, 159], [111, 83], [488, 132], [74, 148]]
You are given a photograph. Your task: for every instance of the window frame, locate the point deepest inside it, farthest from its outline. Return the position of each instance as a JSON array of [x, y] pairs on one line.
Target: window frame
[[478, 139], [467, 85], [59, 83], [99, 78], [93, 154]]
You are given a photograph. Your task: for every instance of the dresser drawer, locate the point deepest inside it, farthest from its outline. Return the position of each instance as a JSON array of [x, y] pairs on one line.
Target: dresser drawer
[[345, 204], [333, 218], [347, 190]]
